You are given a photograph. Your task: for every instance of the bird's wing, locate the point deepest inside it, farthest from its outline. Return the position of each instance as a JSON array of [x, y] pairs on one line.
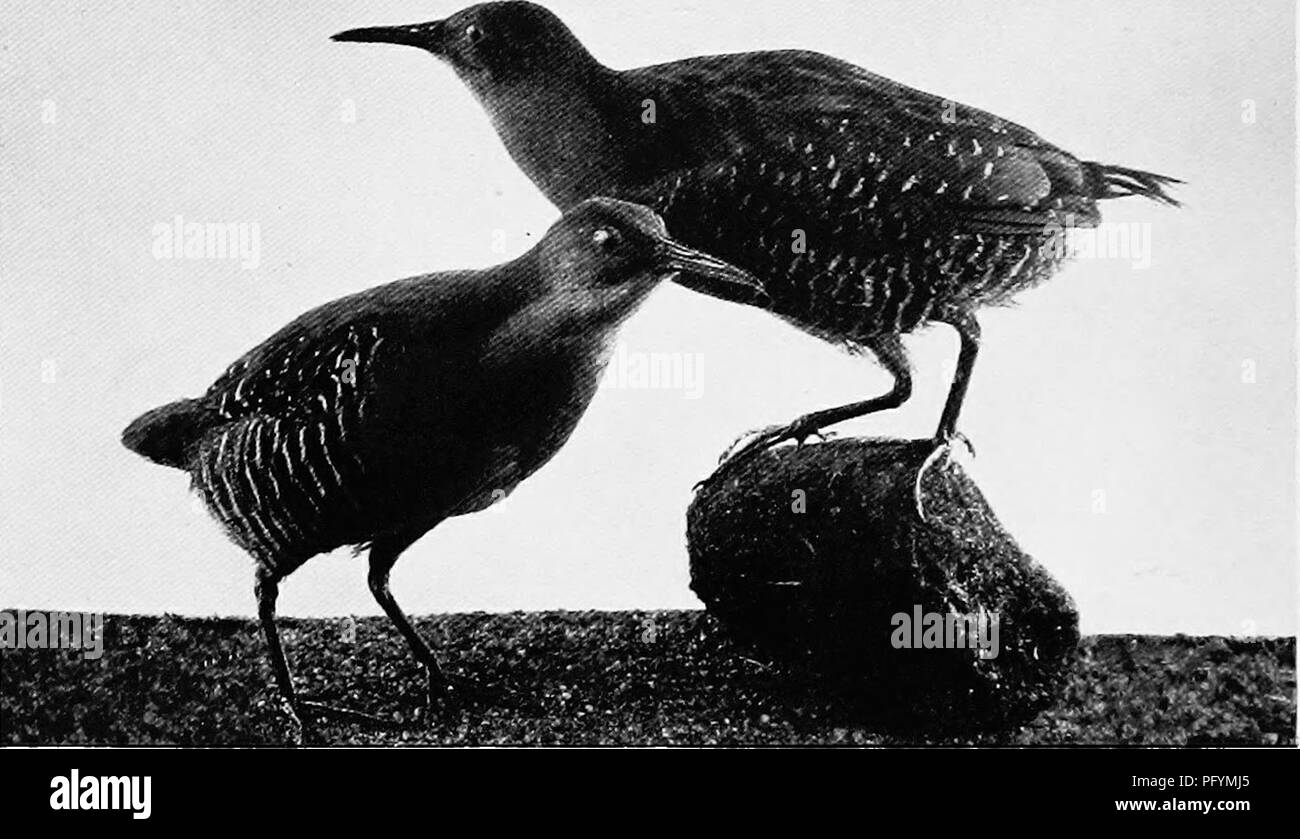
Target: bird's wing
[[866, 140], [338, 357], [317, 429], [306, 374], [285, 468]]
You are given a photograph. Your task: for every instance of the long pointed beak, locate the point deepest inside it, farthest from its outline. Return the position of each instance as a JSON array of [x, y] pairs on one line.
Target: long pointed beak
[[706, 273], [427, 36]]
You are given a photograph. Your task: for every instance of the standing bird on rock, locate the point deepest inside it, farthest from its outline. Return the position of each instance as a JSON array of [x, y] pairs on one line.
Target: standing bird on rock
[[866, 208], [373, 418]]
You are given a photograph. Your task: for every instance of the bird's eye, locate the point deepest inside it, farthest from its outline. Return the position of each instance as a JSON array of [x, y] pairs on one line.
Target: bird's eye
[[605, 237], [473, 34]]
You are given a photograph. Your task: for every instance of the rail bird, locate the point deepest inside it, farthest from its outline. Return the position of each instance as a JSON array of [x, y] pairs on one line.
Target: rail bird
[[369, 420], [866, 208]]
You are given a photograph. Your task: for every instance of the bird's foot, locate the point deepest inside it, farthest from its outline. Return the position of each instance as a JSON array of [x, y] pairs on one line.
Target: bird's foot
[[303, 727], [321, 709], [752, 442], [447, 693], [941, 452]]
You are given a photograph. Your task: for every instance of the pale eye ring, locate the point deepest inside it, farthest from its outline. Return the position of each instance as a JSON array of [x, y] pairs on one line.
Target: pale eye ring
[[604, 237], [473, 34]]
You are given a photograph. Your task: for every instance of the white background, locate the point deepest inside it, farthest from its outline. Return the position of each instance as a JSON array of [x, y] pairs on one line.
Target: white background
[[1109, 380]]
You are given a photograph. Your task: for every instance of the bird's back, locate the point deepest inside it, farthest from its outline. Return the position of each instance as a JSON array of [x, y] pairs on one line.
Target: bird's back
[[383, 412], [775, 104], [326, 433], [864, 205]]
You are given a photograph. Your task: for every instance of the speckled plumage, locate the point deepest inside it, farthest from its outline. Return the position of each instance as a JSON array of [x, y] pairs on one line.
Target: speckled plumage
[[284, 470], [369, 420], [910, 208], [866, 208], [357, 421]]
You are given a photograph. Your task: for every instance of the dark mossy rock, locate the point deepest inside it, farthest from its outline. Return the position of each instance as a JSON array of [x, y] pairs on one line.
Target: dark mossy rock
[[812, 555]]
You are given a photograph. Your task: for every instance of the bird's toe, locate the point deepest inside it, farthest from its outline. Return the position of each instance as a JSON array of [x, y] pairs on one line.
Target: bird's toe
[[942, 450], [445, 693], [755, 441], [750, 441], [302, 728], [310, 709]]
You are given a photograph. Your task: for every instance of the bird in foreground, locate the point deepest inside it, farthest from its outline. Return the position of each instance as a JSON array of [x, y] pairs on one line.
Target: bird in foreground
[[866, 208], [369, 420]]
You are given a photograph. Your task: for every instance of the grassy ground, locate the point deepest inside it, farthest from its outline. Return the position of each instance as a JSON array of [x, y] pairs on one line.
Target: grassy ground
[[593, 678]]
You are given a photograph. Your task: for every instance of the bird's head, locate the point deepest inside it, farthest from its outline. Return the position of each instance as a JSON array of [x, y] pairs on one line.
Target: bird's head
[[611, 254], [490, 44]]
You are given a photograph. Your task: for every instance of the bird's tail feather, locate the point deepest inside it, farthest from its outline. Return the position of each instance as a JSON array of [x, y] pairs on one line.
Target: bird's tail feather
[[1118, 182], [166, 435]]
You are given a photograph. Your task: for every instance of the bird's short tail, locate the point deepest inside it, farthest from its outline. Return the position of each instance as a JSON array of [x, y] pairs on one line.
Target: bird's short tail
[[166, 435], [1118, 182]]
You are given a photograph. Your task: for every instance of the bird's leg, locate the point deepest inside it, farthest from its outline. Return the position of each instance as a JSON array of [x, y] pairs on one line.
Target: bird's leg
[[968, 330], [267, 588], [382, 557], [889, 350]]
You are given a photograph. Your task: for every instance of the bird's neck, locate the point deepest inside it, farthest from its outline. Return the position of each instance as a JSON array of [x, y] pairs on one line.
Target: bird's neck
[[568, 133]]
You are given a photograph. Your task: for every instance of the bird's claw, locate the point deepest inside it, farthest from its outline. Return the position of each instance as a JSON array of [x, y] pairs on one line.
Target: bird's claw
[[763, 438], [304, 729], [942, 451], [752, 442], [965, 441]]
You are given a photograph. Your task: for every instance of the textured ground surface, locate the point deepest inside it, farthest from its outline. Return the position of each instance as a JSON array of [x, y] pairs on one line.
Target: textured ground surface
[[594, 678]]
